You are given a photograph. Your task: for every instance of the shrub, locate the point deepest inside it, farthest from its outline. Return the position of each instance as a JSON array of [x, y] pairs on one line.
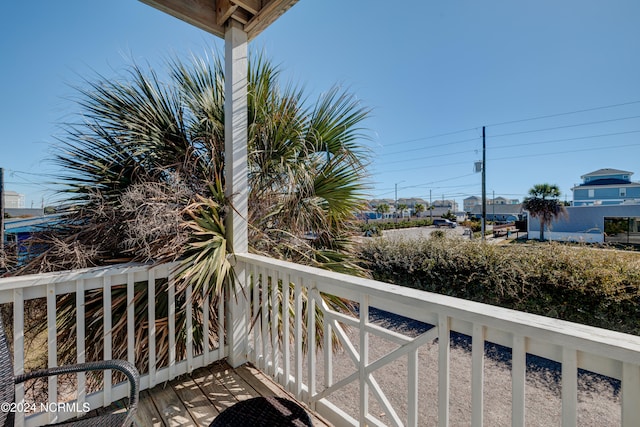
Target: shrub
[[579, 284], [393, 224]]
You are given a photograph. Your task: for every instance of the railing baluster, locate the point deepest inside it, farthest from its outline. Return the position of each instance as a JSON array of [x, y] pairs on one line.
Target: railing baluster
[[311, 344], [569, 387], [206, 332], [18, 348], [131, 320], [518, 380], [364, 357], [264, 322], [328, 350], [52, 348], [477, 375], [298, 336], [443, 370], [275, 319], [222, 321], [107, 352], [286, 334], [412, 372], [80, 339], [151, 313], [630, 394], [189, 313], [171, 317], [254, 314]]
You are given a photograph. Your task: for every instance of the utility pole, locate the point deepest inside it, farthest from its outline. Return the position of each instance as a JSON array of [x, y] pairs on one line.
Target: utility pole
[[430, 207], [484, 183]]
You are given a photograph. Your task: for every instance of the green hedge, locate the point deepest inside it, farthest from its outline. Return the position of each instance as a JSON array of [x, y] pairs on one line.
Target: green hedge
[[391, 225], [598, 287]]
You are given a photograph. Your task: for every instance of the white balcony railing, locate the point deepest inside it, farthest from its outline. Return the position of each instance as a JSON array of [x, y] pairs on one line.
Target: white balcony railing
[[47, 287], [346, 387], [312, 377]]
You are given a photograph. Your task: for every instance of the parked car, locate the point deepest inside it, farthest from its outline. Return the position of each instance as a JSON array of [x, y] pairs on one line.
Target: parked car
[[444, 223]]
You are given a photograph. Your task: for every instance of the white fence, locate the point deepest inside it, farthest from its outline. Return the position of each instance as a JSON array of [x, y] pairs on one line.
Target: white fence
[[48, 287], [286, 314], [611, 354]]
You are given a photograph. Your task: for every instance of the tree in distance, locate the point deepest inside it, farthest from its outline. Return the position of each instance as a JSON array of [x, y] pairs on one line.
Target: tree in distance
[[543, 203]]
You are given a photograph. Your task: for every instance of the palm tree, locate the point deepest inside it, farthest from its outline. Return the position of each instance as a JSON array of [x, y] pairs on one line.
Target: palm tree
[[143, 180], [382, 209], [418, 209], [402, 207], [544, 204]]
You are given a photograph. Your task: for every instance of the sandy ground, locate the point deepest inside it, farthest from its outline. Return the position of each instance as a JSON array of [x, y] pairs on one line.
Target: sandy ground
[[598, 399]]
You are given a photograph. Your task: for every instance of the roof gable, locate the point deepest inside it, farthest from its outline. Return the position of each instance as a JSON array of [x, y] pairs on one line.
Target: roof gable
[[606, 171]]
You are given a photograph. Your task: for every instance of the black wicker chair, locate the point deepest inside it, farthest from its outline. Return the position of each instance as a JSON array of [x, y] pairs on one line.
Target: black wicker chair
[[8, 382]]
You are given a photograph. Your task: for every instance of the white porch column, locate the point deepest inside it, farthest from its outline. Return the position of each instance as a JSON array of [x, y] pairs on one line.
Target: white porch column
[[236, 181]]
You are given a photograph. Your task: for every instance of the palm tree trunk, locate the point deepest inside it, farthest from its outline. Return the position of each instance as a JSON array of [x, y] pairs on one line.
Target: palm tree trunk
[[542, 230]]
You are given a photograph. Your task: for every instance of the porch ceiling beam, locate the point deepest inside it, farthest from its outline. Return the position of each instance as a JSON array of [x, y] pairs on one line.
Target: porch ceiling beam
[[231, 9], [199, 13], [213, 15], [224, 10], [251, 6], [268, 14]]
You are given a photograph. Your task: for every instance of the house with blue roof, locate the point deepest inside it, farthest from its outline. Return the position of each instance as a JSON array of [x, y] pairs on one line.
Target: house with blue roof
[[18, 231], [606, 187]]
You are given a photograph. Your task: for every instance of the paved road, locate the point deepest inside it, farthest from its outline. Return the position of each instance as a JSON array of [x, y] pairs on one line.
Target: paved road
[[419, 232]]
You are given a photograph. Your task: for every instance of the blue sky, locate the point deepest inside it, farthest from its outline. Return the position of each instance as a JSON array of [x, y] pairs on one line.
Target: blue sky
[[556, 83]]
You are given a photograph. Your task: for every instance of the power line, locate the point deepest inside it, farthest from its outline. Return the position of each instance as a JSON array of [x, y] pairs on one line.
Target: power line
[[512, 146], [455, 153], [548, 116], [430, 137], [577, 138], [431, 147], [564, 127], [466, 162], [566, 152], [427, 184], [43, 175], [529, 155]]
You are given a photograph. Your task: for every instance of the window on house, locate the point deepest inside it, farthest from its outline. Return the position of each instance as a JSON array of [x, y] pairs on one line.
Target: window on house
[[592, 193], [623, 192]]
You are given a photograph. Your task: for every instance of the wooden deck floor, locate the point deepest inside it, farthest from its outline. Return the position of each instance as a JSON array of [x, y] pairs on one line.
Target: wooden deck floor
[[198, 398]]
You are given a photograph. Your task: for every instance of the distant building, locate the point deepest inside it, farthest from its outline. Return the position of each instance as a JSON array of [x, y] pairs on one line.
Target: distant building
[[470, 203], [412, 202], [452, 205], [498, 212], [13, 200], [606, 187], [374, 203], [502, 201]]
